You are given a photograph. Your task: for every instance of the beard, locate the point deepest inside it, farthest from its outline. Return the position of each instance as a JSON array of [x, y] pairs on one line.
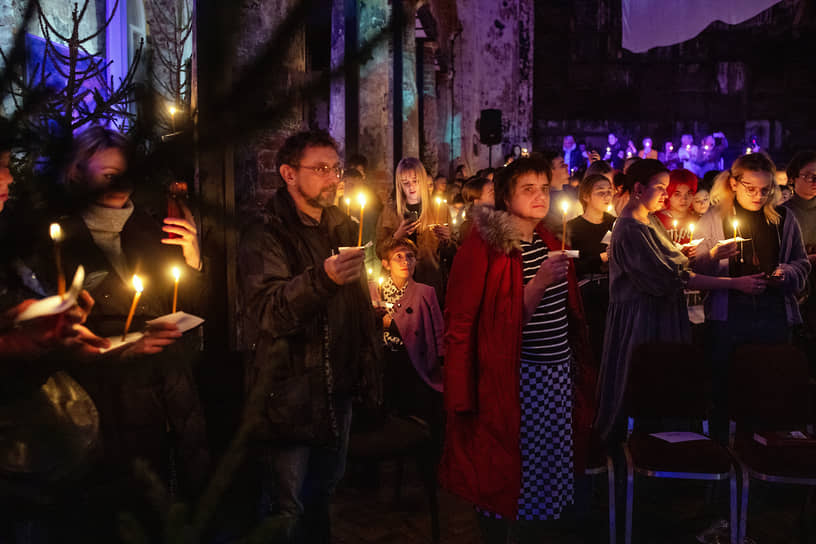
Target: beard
[[323, 200]]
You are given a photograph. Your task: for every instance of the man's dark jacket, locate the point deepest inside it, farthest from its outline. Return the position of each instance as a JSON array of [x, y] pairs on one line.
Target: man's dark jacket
[[330, 349]]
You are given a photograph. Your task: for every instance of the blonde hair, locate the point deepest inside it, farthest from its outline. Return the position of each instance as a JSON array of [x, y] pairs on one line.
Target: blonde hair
[[429, 211], [722, 195]]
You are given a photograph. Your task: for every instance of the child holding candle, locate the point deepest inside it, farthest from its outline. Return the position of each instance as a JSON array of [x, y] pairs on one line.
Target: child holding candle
[[412, 334]]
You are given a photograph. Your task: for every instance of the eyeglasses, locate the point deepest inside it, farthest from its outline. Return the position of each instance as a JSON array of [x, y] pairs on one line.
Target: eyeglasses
[[324, 170], [809, 178], [754, 191]]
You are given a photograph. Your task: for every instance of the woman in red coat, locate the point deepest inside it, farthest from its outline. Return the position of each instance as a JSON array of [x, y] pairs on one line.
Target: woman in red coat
[[518, 413]]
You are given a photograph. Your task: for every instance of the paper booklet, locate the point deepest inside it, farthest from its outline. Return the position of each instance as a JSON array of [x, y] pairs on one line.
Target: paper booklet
[[182, 320], [674, 437], [56, 304]]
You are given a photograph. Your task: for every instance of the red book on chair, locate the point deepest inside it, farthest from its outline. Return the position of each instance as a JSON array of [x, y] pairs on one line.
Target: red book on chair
[[785, 438]]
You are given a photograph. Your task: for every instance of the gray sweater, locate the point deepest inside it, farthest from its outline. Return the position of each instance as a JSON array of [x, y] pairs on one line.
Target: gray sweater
[[792, 259]]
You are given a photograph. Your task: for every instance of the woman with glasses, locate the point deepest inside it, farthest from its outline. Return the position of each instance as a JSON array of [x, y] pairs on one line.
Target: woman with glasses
[[412, 214], [769, 243]]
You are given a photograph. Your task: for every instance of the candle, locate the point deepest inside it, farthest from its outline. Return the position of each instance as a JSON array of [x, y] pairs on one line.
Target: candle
[[747, 150], [176, 276], [56, 236], [362, 199], [671, 148], [675, 234], [138, 287], [609, 208], [438, 204], [348, 206], [173, 111], [370, 271], [691, 231], [735, 230], [688, 147], [380, 281], [565, 207]]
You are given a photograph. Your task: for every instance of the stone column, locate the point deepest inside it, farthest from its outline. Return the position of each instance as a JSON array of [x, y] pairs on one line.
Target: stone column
[[337, 93], [376, 88], [256, 175]]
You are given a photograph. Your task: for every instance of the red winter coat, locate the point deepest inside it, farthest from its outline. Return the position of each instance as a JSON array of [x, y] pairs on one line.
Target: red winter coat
[[484, 317]]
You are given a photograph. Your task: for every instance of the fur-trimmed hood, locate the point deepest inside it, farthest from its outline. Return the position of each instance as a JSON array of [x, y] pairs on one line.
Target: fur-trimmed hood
[[497, 229]]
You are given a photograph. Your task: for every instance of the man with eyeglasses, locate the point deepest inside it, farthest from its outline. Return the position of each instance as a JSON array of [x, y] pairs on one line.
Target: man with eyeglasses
[[310, 323]]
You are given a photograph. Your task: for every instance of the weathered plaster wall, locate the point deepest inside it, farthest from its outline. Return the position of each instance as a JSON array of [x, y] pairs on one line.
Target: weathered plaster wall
[[376, 135], [256, 177], [493, 69]]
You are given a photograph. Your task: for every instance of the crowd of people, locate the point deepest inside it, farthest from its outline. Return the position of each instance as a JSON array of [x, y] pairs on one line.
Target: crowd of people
[[499, 310]]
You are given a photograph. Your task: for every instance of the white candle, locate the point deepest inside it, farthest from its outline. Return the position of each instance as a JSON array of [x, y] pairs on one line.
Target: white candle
[[176, 276], [565, 207], [362, 199], [139, 287], [56, 236]]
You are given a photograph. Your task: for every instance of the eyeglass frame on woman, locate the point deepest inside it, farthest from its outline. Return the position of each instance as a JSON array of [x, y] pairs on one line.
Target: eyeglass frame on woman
[[764, 192], [809, 178], [323, 170]]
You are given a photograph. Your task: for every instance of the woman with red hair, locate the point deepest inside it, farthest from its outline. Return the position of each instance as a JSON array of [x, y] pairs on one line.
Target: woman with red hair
[[677, 216]]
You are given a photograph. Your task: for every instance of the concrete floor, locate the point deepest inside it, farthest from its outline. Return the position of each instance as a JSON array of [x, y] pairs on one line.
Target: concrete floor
[[666, 512]]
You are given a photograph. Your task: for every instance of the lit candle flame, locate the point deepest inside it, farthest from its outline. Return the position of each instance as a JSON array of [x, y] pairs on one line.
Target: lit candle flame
[[747, 150], [138, 286], [565, 207], [691, 228], [172, 110], [705, 147], [438, 200], [609, 208], [361, 199], [56, 232], [381, 280], [176, 273], [674, 224], [671, 148], [370, 271], [348, 202]]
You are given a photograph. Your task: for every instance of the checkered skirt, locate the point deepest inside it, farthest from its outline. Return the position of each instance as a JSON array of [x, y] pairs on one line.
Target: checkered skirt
[[547, 473]]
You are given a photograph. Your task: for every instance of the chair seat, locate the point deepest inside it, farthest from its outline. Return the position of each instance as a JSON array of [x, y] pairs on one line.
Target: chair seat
[[696, 456], [396, 436], [794, 461]]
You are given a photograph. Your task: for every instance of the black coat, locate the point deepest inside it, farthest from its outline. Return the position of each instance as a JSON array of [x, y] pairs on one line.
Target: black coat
[[330, 346], [140, 400]]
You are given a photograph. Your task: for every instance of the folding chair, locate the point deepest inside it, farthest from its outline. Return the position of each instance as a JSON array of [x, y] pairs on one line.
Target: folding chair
[[672, 381], [770, 391]]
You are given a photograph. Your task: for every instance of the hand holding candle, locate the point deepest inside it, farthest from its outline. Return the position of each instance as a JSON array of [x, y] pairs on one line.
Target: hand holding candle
[[138, 287], [56, 236], [176, 275]]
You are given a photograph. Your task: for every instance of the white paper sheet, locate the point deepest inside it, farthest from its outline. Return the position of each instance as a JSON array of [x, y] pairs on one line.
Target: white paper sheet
[[182, 320], [693, 243], [674, 437], [607, 237], [116, 341], [56, 304]]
